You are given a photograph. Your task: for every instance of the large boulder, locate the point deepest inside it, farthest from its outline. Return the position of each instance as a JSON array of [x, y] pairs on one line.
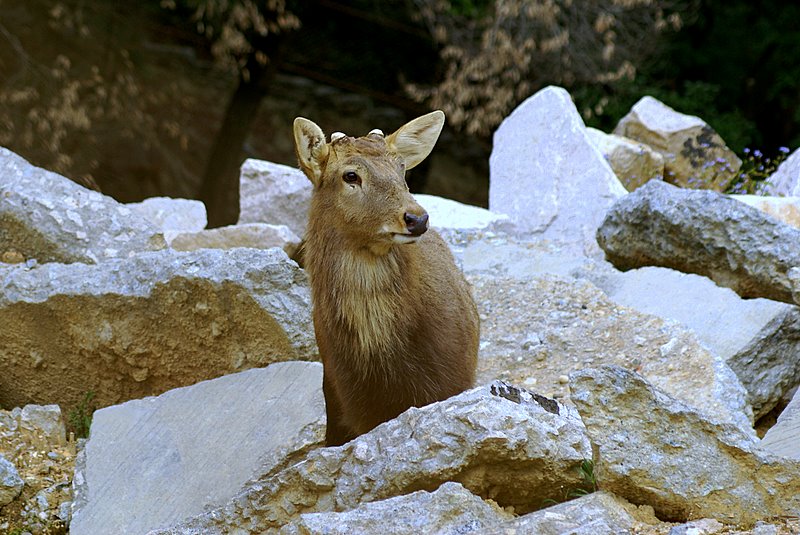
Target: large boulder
[[702, 232], [48, 218], [694, 154], [785, 209], [449, 509], [535, 332], [634, 163], [543, 191], [785, 181], [255, 235], [498, 441], [275, 194], [758, 338], [157, 461], [129, 328], [784, 437], [653, 449]]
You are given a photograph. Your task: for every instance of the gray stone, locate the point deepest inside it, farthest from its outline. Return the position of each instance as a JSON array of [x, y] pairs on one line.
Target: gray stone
[[275, 194], [535, 331], [157, 461], [783, 438], [543, 191], [10, 482], [634, 163], [593, 514], [254, 235], [130, 328], [45, 421], [785, 181], [758, 338], [653, 449], [449, 509], [48, 218], [498, 441], [702, 232], [172, 215], [694, 154], [704, 526]]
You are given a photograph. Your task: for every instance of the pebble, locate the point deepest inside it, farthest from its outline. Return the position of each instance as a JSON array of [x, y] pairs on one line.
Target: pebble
[[563, 379]]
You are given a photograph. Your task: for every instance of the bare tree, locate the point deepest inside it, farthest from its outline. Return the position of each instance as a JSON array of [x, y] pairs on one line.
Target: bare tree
[[496, 53], [246, 36]]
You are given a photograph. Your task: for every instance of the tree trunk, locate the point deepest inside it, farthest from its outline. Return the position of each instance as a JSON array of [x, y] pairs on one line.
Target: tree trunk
[[219, 189]]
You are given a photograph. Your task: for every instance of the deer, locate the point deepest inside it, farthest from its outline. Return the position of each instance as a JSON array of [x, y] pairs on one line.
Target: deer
[[394, 318]]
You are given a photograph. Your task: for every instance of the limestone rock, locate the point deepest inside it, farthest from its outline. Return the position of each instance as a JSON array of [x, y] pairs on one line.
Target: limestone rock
[[45, 421], [593, 514], [653, 449], [536, 331], [129, 328], [255, 235], [785, 209], [702, 232], [10, 482], [48, 218], [157, 461], [786, 178], [172, 215], [536, 185], [694, 154], [275, 194], [634, 163], [758, 338], [784, 437], [449, 509], [498, 441]]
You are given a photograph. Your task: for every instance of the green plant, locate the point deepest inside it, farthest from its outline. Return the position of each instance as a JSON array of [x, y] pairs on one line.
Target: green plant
[[755, 171], [80, 418], [588, 486]]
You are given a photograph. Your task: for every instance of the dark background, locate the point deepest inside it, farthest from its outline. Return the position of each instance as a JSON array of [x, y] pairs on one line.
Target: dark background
[[133, 98]]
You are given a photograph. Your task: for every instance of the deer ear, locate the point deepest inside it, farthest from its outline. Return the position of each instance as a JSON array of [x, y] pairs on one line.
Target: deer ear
[[415, 140], [311, 149]]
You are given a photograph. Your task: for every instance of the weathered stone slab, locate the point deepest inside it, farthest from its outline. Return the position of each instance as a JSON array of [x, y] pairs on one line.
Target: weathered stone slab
[[784, 437], [758, 338], [449, 509], [48, 218], [593, 514], [702, 232], [130, 328], [535, 331], [498, 441], [44, 420], [653, 449], [543, 191], [255, 235], [634, 163], [157, 461], [694, 154], [275, 194]]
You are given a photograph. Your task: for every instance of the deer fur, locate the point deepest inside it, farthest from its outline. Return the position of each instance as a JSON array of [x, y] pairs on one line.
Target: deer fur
[[395, 321]]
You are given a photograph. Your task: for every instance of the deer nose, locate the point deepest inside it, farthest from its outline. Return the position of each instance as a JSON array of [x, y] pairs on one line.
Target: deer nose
[[416, 224]]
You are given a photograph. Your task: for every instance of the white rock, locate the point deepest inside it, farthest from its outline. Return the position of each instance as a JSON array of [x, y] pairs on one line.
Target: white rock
[[634, 163], [169, 214], [786, 178], [275, 194], [157, 461], [10, 482], [784, 437], [785, 209], [547, 175]]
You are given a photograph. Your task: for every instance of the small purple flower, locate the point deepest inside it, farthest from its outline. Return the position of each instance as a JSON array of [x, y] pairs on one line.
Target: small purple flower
[[721, 160], [743, 175], [757, 153], [746, 150], [784, 150], [760, 167]]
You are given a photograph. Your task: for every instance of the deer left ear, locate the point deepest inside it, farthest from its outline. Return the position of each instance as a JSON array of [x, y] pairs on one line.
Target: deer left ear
[[311, 149], [415, 140]]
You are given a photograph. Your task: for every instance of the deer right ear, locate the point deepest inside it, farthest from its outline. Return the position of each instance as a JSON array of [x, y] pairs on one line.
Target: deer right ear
[[311, 149]]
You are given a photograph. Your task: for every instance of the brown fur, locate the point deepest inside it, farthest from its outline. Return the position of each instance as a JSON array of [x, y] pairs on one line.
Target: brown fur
[[395, 323]]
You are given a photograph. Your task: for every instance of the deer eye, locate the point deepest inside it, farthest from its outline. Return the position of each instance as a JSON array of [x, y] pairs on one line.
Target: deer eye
[[351, 177]]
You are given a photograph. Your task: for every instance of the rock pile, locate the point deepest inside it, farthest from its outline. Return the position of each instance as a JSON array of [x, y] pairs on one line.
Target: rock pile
[[633, 348]]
